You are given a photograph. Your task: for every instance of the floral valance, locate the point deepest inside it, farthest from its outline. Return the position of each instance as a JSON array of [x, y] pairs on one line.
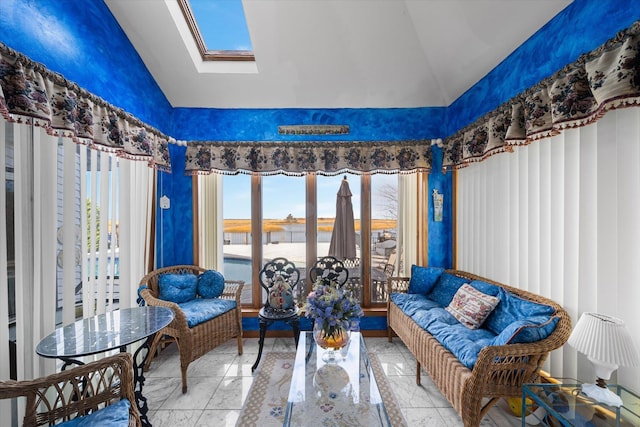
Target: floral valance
[[298, 158], [580, 93], [31, 93]]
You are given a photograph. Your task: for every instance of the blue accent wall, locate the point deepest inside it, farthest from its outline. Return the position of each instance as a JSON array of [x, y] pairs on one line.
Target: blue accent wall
[[82, 41], [579, 28], [366, 124], [440, 236]]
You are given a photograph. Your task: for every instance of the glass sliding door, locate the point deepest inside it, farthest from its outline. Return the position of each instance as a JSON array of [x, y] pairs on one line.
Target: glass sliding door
[[384, 231], [236, 214]]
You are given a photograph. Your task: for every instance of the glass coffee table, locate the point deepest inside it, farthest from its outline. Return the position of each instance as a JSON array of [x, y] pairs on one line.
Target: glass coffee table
[[343, 393]]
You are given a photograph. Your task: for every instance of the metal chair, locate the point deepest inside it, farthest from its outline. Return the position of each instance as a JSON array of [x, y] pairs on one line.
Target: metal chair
[[274, 275], [329, 268]]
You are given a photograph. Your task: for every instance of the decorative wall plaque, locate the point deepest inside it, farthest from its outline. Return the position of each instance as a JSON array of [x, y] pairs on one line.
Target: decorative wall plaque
[[313, 130]]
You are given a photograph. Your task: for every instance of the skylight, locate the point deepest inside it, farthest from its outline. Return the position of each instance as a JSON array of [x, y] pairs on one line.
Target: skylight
[[219, 28]]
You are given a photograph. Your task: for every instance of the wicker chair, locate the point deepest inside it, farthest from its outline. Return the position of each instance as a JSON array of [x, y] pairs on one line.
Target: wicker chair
[[75, 392], [196, 341]]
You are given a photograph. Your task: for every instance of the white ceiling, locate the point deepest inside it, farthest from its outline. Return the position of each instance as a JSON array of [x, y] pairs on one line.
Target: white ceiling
[[336, 53]]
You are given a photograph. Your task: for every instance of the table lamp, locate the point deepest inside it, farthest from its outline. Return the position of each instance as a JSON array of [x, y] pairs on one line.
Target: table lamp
[[607, 344]]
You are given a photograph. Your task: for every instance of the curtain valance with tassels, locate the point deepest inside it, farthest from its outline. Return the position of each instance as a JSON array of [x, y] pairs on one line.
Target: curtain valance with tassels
[[31, 93], [298, 158], [580, 93]]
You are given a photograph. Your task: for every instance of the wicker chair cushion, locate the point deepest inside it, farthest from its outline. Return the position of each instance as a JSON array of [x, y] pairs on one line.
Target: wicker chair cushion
[[423, 279], [210, 284], [471, 307], [512, 309], [115, 415], [178, 288], [200, 310], [528, 330], [445, 288]]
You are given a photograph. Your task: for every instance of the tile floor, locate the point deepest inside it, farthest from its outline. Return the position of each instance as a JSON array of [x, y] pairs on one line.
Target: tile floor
[[219, 382]]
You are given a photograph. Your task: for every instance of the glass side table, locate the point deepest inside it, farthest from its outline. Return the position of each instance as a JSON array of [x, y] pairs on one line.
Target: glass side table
[[566, 405]]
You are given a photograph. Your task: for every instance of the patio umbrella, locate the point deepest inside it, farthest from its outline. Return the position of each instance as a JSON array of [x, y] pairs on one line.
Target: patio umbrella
[[343, 236]]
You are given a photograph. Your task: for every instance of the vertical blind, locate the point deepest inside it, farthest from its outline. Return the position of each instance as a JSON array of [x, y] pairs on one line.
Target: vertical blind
[[561, 217], [79, 224]]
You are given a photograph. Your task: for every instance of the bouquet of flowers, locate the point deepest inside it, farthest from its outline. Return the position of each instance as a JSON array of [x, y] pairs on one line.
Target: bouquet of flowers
[[333, 308]]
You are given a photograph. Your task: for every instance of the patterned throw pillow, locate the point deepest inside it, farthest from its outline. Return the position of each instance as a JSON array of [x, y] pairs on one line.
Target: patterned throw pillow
[[471, 307], [281, 294]]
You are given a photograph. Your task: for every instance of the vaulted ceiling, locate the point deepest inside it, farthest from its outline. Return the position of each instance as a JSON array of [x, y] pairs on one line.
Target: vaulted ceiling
[[336, 53]]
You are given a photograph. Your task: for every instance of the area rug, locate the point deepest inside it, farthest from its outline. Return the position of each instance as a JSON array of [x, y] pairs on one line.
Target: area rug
[[266, 402]]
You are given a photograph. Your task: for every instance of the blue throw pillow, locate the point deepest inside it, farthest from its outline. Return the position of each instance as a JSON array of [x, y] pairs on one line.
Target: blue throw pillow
[[114, 415], [527, 330], [445, 288], [423, 278], [210, 284], [513, 308], [178, 288]]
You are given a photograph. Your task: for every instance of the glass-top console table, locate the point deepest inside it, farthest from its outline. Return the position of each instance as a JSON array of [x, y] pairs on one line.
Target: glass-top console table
[[343, 393], [565, 405]]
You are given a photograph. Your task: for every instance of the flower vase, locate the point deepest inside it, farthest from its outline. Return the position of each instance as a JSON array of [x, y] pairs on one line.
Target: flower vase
[[332, 340]]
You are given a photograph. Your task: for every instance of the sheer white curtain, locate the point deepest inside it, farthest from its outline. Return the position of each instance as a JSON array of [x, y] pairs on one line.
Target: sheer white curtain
[[71, 215], [210, 244], [561, 217], [407, 223]]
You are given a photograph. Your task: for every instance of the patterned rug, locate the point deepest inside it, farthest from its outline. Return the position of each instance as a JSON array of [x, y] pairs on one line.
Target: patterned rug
[[266, 402]]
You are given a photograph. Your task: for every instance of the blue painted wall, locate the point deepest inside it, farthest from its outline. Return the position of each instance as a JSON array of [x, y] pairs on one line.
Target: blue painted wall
[[579, 28], [82, 41], [440, 233], [366, 124]]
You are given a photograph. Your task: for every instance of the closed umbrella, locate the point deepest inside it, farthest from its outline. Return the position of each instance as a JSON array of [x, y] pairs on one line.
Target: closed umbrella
[[343, 237]]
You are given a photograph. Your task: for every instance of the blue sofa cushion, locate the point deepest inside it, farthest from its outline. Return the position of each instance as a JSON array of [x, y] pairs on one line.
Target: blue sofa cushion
[[428, 318], [463, 342], [115, 415], [210, 284], [200, 310], [445, 288], [410, 303], [178, 288], [423, 278], [486, 288], [513, 308], [527, 330]]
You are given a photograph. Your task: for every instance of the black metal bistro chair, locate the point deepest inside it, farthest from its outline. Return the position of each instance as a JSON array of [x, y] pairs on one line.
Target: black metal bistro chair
[[329, 268], [278, 278]]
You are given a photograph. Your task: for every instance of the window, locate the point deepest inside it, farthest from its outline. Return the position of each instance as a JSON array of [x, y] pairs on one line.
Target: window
[[219, 29], [288, 207]]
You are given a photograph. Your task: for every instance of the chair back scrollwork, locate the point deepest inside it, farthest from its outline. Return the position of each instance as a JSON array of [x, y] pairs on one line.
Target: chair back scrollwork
[[279, 278], [329, 269]]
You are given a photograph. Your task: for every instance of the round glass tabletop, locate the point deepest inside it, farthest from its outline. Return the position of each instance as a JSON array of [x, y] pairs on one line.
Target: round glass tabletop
[[104, 332]]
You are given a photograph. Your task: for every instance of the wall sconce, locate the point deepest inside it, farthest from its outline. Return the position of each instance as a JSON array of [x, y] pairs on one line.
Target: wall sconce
[[607, 344]]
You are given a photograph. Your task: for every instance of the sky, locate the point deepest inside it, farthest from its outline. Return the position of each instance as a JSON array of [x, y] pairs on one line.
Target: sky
[[222, 24], [284, 195]]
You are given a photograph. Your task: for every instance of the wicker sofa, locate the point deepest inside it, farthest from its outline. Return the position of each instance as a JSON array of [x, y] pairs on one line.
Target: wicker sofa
[[97, 390], [490, 364], [219, 318]]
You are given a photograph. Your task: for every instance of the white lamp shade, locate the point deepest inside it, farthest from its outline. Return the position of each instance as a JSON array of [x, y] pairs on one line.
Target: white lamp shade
[[605, 339]]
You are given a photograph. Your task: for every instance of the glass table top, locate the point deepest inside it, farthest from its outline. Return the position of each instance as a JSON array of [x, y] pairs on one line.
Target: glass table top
[[343, 393], [104, 332], [566, 405]]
